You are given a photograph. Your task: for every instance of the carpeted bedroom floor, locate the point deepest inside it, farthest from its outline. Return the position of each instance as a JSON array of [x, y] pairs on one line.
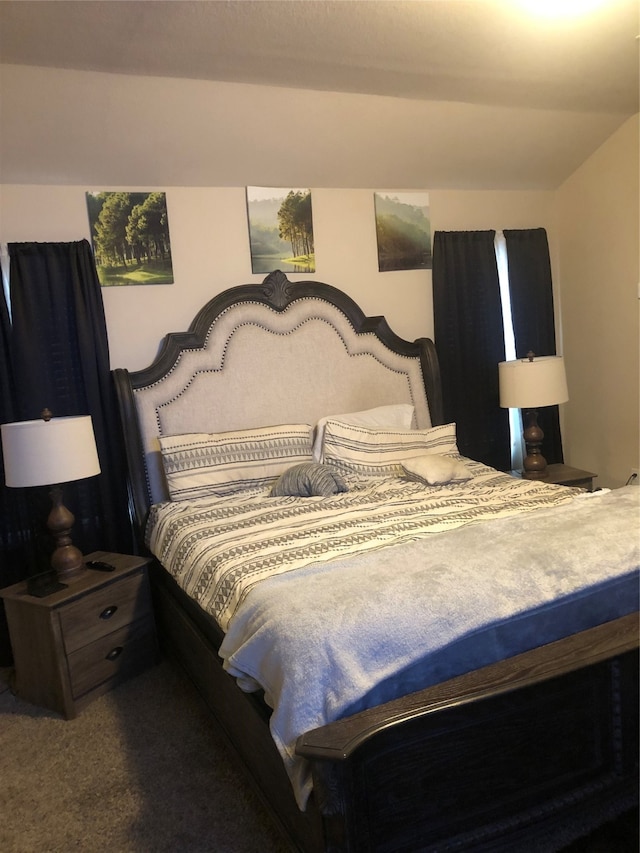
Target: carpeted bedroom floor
[[143, 770]]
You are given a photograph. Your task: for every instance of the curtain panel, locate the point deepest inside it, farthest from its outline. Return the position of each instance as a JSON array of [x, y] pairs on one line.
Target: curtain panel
[[22, 511], [531, 293], [470, 342], [56, 355], [60, 354]]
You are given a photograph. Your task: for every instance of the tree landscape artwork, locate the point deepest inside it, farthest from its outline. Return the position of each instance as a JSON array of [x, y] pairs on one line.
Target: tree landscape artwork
[[280, 230], [403, 229], [130, 236]]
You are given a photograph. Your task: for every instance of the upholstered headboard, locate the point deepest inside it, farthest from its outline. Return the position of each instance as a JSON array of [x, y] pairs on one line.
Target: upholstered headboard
[[259, 355]]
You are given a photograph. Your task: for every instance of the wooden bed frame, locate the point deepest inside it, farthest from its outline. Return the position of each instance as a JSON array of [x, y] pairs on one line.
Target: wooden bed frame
[[526, 754]]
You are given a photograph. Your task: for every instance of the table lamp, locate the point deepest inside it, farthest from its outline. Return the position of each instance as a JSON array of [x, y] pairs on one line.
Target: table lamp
[[528, 384], [48, 452]]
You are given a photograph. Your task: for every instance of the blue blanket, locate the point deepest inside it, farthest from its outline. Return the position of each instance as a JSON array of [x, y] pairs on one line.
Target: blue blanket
[[329, 640]]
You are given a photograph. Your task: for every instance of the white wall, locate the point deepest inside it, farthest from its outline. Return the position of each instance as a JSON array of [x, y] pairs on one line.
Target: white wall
[[598, 234], [210, 246]]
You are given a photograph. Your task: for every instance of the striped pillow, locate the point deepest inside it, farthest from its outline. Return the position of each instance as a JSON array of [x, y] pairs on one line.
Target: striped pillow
[[307, 480], [395, 416], [207, 464], [381, 452]]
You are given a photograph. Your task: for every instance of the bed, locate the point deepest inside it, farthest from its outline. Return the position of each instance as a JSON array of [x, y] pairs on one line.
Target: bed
[[474, 723]]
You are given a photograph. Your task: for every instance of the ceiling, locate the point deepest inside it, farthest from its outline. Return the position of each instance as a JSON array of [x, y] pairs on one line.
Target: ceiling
[[454, 50], [466, 52]]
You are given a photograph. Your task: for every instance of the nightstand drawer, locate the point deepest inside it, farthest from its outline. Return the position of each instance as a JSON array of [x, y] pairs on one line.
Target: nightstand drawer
[[118, 654], [104, 611]]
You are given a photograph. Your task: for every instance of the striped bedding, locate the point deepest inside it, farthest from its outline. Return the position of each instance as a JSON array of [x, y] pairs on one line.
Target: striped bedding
[[218, 549]]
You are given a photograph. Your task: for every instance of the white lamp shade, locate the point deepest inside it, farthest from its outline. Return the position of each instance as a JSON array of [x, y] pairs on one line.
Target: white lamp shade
[[526, 384], [45, 453]]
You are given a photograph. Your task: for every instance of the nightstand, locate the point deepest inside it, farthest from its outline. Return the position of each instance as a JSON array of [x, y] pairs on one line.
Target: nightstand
[[564, 475], [77, 643]]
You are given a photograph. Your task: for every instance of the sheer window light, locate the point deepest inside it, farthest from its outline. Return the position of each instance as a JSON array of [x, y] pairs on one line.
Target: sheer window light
[[515, 418]]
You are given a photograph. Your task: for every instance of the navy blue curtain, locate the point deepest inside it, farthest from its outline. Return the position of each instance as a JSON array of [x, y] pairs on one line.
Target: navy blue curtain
[[55, 354], [469, 339], [22, 511], [531, 292]]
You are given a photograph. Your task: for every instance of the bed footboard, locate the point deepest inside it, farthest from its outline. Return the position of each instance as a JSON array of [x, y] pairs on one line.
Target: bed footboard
[[528, 754]]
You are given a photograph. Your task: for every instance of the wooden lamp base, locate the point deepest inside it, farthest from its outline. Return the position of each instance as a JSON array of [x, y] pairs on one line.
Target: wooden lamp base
[[534, 464], [66, 560]]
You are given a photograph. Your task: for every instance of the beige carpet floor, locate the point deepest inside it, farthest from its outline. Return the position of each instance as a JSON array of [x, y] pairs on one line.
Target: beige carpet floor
[[141, 770]]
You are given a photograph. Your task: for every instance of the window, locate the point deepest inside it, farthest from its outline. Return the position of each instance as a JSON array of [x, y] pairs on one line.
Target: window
[[515, 418]]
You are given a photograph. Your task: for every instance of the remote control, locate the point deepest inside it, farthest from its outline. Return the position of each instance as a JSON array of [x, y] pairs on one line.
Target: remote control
[[99, 566]]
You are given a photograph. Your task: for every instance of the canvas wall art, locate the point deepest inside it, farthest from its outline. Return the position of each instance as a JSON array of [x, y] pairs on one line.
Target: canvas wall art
[[130, 237], [403, 230], [280, 230]]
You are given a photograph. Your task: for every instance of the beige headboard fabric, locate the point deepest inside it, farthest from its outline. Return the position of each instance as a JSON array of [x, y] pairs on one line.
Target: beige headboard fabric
[[261, 366]]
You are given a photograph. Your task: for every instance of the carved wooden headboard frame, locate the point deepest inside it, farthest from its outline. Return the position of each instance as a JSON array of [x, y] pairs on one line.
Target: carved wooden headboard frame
[[260, 354]]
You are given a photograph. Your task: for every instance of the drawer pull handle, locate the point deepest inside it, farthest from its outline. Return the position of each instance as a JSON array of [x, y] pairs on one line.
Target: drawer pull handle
[[108, 612], [114, 653]]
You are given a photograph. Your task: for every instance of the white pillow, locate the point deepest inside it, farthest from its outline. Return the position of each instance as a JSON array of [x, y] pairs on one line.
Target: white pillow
[[396, 416], [436, 470], [381, 453], [203, 464]]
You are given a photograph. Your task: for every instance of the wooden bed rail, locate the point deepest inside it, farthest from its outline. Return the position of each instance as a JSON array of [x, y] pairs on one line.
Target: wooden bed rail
[[338, 740]]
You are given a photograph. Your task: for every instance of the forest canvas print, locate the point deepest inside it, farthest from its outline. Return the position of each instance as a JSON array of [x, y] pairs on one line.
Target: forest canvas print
[[403, 229], [130, 237], [280, 230]]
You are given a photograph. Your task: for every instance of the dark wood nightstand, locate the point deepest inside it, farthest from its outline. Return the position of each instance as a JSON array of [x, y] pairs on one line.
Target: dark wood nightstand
[[564, 475], [77, 643]]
